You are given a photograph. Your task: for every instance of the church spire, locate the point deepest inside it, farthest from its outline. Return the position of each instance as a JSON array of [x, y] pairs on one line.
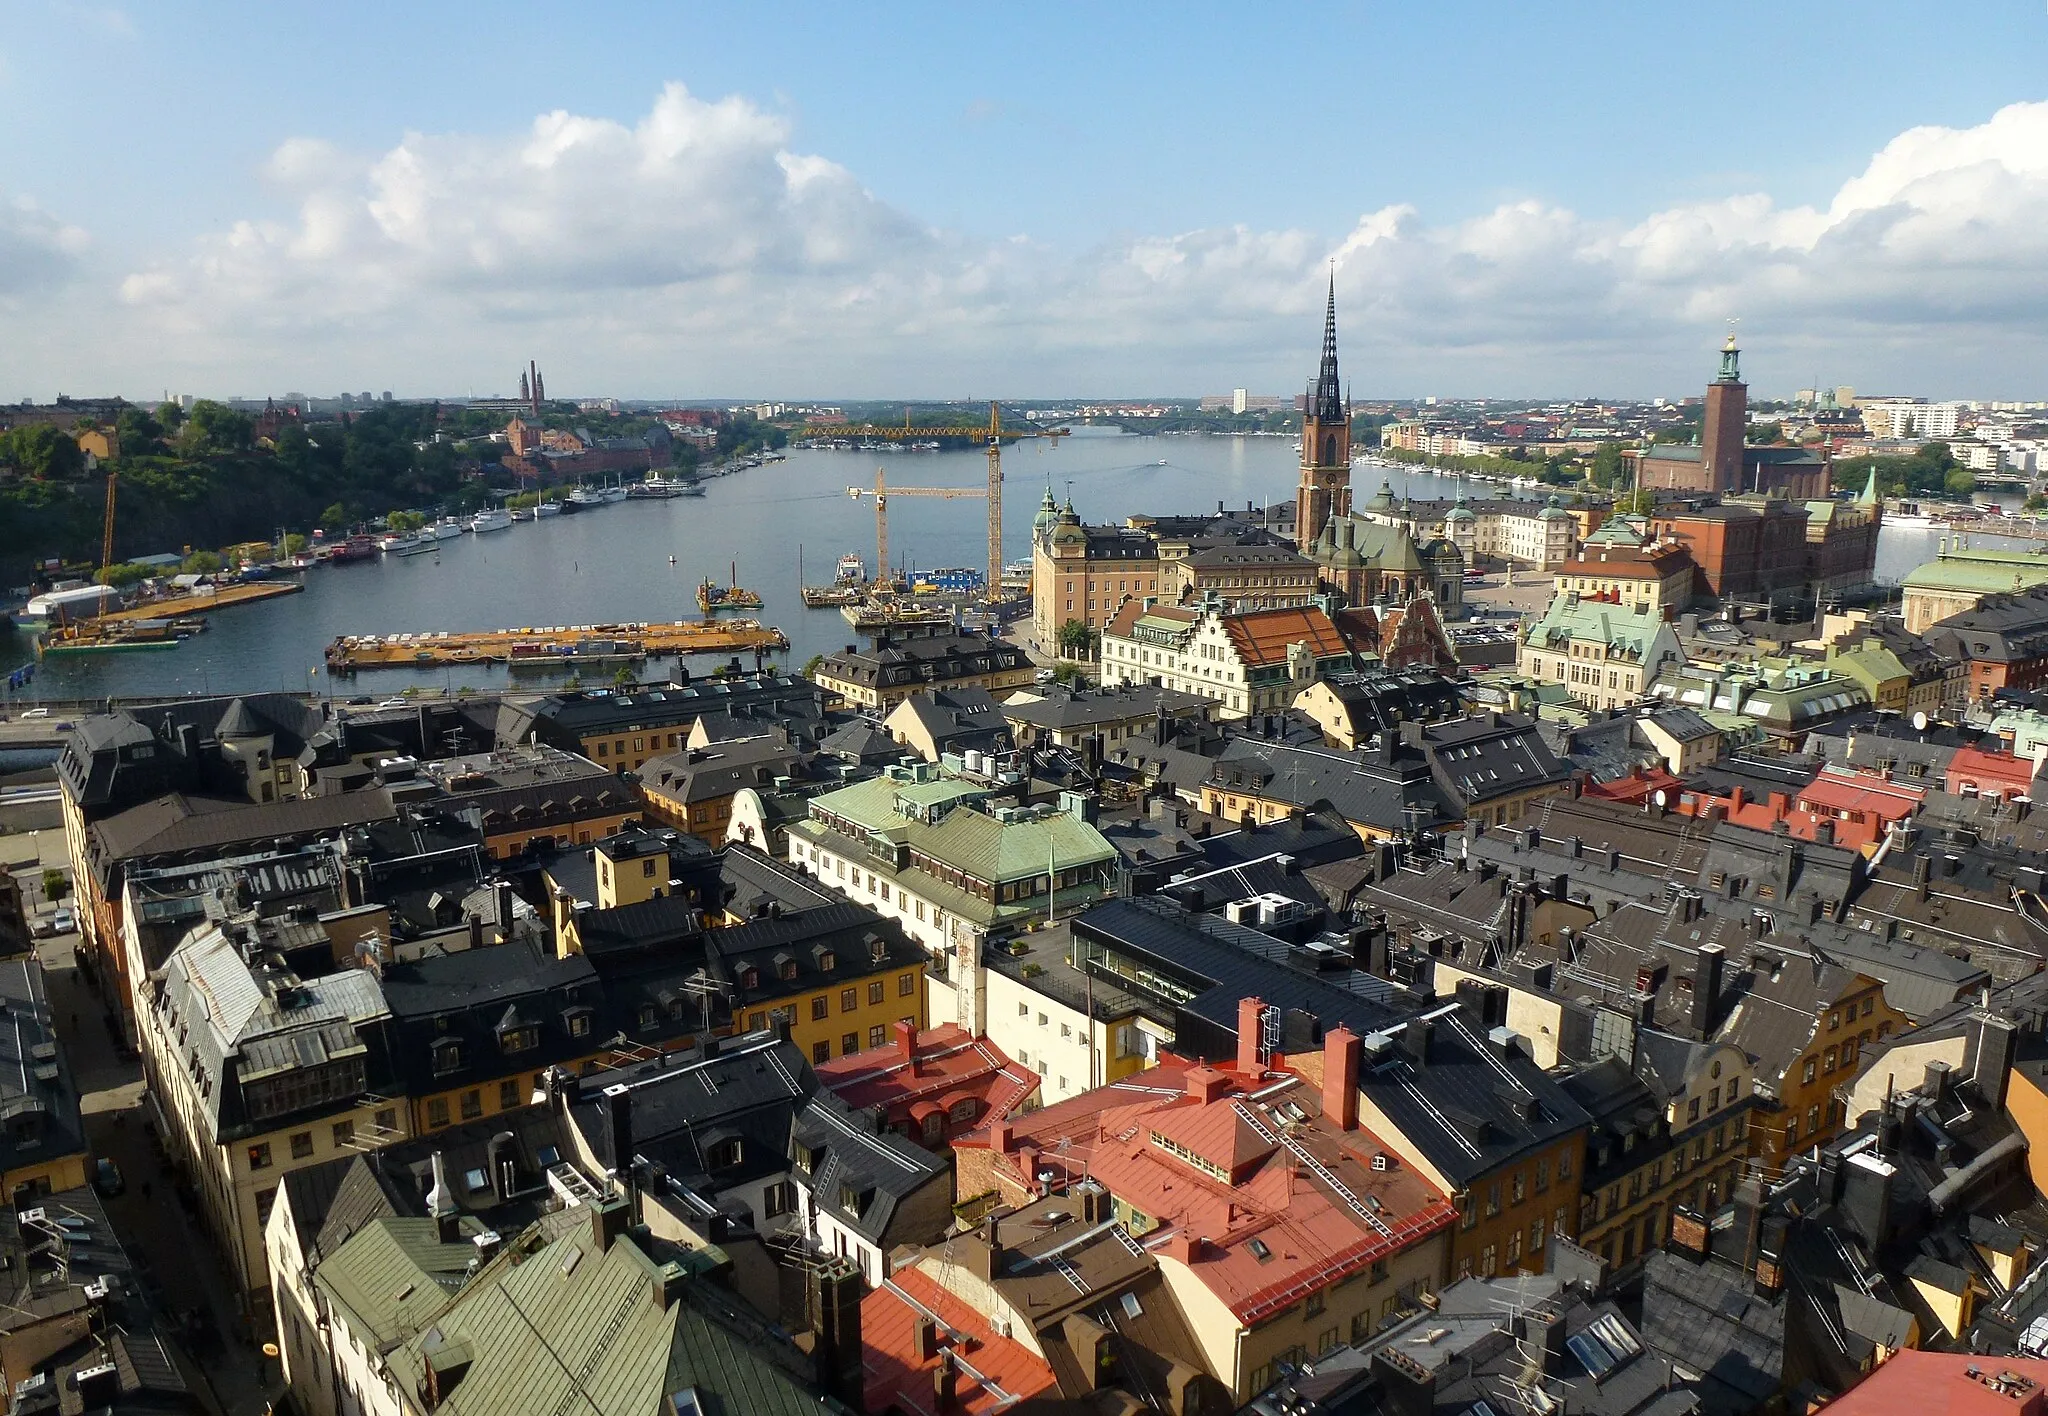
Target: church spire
[[1326, 396]]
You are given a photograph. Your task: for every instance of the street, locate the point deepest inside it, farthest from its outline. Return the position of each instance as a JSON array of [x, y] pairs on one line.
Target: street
[[174, 1260]]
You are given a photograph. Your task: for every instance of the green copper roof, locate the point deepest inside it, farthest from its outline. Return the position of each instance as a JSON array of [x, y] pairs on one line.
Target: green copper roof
[[393, 1276], [1568, 619], [968, 840], [1980, 572]]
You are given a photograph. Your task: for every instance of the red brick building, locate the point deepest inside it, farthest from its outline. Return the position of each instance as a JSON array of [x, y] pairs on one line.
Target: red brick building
[[1745, 547]]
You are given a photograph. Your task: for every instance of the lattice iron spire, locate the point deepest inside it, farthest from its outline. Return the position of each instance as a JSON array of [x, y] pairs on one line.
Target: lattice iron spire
[[1326, 398]]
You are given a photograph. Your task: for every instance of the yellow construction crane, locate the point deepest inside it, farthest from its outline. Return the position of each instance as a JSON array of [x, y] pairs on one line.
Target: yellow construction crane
[[881, 492], [994, 435], [107, 532]]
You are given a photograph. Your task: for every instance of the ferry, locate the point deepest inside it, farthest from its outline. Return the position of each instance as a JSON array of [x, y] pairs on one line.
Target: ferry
[[852, 569], [418, 546], [446, 529], [494, 518], [713, 597], [352, 548], [392, 540], [581, 499]]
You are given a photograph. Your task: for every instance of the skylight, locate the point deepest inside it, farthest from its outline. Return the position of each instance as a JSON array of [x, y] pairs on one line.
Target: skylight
[[1259, 1250]]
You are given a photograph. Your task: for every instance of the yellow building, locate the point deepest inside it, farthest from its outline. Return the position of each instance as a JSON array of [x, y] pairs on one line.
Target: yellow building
[[895, 669], [42, 1150], [1086, 573]]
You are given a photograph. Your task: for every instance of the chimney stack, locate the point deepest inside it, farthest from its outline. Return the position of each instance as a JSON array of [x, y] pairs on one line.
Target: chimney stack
[[441, 1205], [1341, 1051], [1251, 1048], [905, 1033], [1992, 1040]]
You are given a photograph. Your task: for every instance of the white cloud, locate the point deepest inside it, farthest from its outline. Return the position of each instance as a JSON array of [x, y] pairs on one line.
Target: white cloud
[[695, 251], [37, 251]]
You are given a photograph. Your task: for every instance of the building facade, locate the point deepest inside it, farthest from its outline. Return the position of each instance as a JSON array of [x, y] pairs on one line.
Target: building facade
[[1247, 664]]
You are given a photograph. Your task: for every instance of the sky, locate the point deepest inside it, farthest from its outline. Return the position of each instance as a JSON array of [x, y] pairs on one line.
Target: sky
[[679, 200]]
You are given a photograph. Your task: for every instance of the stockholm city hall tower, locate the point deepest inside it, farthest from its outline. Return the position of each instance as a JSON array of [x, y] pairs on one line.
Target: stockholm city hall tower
[[1325, 489]]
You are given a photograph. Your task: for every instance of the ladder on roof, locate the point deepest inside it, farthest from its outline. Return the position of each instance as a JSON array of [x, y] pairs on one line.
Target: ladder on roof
[[1314, 1166], [1069, 1273]]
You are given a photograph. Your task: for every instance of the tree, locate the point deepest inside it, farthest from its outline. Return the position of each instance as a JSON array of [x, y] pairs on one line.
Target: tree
[[201, 563], [812, 665], [139, 433], [1960, 482], [1608, 468], [295, 544], [215, 427], [1077, 640], [334, 518], [170, 416], [42, 450], [120, 577]]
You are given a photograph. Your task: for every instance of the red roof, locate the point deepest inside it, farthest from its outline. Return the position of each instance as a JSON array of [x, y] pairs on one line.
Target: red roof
[[992, 1372], [1274, 1230], [1640, 785], [951, 1065], [1998, 772], [1948, 1384]]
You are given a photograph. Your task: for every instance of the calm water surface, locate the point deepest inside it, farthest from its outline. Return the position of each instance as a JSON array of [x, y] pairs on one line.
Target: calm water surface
[[612, 563]]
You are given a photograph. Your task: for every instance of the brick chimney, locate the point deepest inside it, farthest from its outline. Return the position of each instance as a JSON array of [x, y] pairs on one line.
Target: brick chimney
[[1341, 1049], [906, 1043], [1251, 1053]]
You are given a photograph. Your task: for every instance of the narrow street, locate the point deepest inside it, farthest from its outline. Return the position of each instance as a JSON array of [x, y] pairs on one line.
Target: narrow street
[[173, 1257]]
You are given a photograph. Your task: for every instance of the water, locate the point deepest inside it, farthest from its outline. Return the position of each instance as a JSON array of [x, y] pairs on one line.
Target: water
[[612, 563]]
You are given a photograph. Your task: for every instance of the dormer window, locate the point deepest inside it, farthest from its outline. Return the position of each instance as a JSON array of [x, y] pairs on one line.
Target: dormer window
[[787, 970], [828, 960], [447, 1056], [750, 978], [647, 1015], [520, 1039], [724, 1155]]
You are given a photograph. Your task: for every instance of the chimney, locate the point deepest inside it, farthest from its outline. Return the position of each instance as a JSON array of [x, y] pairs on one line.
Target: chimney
[[1415, 1040], [927, 1339], [1706, 988], [1410, 1387], [502, 1155], [1251, 1052], [836, 1287], [1935, 1085], [441, 1205], [945, 1384], [1992, 1040], [618, 1110], [1341, 1050], [906, 1043], [1824, 833], [1206, 1084], [476, 930], [1923, 866], [608, 1219], [501, 894], [999, 1137]]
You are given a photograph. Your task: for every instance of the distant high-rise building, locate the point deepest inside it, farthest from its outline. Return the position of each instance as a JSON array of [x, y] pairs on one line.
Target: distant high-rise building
[[1240, 400], [1325, 489]]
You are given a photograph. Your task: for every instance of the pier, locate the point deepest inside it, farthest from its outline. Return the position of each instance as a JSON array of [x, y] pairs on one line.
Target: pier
[[220, 598], [566, 645]]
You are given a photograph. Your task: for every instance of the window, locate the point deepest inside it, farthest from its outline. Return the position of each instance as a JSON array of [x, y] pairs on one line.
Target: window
[[1813, 1118], [874, 990], [750, 977], [344, 1134], [821, 1007], [906, 984], [1564, 1167], [579, 1022], [259, 1156], [266, 1200], [302, 1144], [447, 1056], [1806, 1073], [877, 1035], [850, 1042], [523, 1039], [849, 999], [1542, 1176], [821, 1051], [1488, 1263], [1313, 1307], [779, 1199], [472, 1104], [387, 1119], [437, 1111], [1492, 1202], [1868, 1004], [508, 1094]]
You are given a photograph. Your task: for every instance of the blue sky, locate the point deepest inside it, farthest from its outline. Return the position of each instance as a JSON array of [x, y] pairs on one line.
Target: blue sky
[[952, 200]]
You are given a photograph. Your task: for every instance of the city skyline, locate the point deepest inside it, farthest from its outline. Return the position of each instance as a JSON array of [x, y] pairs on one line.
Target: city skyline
[[927, 213]]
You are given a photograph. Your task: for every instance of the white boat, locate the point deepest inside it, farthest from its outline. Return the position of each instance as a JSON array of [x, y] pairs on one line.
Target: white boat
[[852, 569], [446, 529], [584, 497], [494, 518], [394, 540], [546, 509], [525, 513], [611, 494], [416, 545]]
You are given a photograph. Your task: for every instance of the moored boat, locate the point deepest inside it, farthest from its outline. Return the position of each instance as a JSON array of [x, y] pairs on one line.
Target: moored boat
[[491, 518], [713, 597]]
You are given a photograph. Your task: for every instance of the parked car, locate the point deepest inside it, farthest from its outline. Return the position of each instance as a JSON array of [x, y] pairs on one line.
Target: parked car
[[106, 1178], [36, 713], [64, 921]]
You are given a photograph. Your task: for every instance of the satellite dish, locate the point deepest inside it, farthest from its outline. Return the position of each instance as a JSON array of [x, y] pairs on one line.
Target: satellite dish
[[1920, 722], [1658, 796]]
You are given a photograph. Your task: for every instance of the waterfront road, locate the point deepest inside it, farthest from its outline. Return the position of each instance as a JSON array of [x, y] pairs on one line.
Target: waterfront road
[[186, 1283]]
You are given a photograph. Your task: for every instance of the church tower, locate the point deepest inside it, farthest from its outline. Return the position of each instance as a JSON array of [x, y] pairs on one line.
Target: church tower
[[1325, 489], [1726, 423]]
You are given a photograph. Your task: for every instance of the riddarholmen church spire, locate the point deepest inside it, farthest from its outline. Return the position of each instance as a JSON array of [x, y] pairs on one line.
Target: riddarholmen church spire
[[1325, 490], [1326, 394]]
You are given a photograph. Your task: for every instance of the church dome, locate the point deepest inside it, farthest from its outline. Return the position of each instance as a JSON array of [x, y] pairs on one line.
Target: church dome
[[1555, 511], [1383, 499], [1048, 513]]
